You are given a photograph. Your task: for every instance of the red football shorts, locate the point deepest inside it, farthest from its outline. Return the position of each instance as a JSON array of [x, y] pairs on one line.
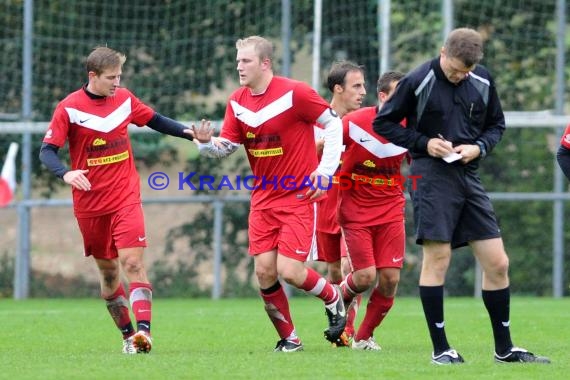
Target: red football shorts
[[381, 246], [104, 235], [290, 230], [330, 247]]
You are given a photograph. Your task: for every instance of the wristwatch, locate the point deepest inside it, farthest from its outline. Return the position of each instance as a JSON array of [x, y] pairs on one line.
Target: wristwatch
[[482, 148]]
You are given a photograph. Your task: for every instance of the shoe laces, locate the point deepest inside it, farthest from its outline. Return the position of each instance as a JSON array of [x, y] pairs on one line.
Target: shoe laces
[[370, 344], [128, 346], [281, 344]]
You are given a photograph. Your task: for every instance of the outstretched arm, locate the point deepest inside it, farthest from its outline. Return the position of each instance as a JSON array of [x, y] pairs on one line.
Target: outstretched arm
[[170, 127], [210, 146]]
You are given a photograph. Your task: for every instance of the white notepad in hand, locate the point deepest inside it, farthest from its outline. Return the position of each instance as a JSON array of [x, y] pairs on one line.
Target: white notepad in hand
[[451, 157]]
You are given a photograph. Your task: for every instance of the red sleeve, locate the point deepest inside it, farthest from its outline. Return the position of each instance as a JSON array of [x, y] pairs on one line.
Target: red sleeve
[[230, 127], [565, 140], [311, 104], [58, 127], [141, 113]]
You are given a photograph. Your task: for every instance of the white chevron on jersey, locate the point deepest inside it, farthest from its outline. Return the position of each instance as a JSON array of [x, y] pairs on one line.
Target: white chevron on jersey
[[97, 123], [372, 144], [255, 119]]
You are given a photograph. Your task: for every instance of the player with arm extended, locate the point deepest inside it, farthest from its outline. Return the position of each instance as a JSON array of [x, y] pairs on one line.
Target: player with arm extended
[[345, 81], [454, 97], [106, 186], [371, 214], [273, 117]]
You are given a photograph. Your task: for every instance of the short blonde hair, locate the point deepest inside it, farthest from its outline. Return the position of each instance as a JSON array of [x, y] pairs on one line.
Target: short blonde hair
[[262, 46], [102, 58]]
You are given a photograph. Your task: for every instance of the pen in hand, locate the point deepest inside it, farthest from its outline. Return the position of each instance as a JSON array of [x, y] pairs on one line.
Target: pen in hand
[[445, 140], [448, 143]]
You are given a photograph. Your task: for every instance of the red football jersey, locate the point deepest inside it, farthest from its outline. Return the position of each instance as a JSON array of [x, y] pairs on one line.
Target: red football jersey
[[276, 128], [96, 129], [565, 140], [370, 178]]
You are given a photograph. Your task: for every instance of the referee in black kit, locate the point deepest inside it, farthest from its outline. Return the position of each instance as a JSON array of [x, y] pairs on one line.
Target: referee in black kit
[[454, 119]]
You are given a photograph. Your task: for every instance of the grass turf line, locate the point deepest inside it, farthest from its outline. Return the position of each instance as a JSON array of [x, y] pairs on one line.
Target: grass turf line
[[233, 338]]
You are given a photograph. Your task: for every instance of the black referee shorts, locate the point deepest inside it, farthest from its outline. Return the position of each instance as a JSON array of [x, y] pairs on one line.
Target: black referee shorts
[[450, 204]]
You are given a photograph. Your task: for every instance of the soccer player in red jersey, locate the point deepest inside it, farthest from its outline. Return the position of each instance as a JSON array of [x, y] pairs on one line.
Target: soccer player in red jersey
[[371, 214], [106, 186], [273, 117], [345, 81]]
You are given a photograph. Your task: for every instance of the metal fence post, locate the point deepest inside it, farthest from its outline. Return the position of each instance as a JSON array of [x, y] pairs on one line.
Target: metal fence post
[[217, 247], [558, 205], [22, 266]]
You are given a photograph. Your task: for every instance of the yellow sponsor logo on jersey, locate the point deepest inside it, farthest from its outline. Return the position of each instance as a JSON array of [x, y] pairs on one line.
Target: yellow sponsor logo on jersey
[[99, 141], [266, 152], [108, 159], [376, 181], [369, 163], [250, 135]]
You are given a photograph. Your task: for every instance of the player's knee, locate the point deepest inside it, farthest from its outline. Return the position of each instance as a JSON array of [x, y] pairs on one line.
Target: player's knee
[[335, 273], [133, 265], [501, 265], [391, 284], [291, 276], [436, 264], [110, 279], [265, 275], [364, 278], [389, 279], [389, 288]]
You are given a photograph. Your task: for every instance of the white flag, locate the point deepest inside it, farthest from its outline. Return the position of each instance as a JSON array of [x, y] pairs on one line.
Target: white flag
[[8, 176]]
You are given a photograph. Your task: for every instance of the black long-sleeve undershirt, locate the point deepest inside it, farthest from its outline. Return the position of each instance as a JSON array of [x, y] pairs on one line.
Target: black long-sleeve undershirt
[[168, 126], [50, 159], [563, 158]]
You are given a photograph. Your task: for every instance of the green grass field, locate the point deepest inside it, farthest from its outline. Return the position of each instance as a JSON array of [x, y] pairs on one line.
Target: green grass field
[[205, 339]]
